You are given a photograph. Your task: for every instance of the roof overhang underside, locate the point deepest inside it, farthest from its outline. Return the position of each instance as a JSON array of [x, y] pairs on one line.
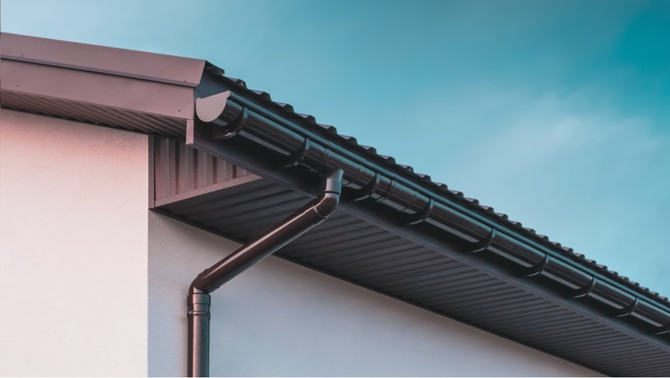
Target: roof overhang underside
[[416, 264], [397, 232]]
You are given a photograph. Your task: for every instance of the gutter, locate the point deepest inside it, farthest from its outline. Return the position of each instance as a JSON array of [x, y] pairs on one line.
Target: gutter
[[234, 126], [199, 299]]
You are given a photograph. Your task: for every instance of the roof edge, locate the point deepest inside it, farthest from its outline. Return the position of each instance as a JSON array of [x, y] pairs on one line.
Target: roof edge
[[100, 59]]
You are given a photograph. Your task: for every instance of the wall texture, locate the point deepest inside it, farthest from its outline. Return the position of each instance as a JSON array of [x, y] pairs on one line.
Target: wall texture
[[282, 319], [73, 251]]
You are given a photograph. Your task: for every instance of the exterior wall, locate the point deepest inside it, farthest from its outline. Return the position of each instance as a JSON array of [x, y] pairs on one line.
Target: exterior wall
[[73, 252], [281, 319]]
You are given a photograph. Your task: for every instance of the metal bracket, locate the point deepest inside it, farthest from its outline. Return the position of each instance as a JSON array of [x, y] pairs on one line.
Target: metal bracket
[[538, 268], [420, 216], [584, 291], [483, 244], [628, 309], [296, 157], [365, 192], [662, 330], [232, 128], [387, 193]]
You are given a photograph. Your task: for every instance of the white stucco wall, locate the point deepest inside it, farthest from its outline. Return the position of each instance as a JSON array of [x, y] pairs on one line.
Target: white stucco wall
[[281, 319], [73, 248]]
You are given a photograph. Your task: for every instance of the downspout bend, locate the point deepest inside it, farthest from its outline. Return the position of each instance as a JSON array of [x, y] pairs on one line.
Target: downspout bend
[[198, 300]]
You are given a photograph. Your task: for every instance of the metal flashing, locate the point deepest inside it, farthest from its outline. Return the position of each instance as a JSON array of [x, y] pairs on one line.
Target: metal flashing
[[132, 90], [107, 60]]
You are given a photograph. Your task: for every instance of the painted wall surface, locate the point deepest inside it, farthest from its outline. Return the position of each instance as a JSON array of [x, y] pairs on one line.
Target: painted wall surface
[[281, 319], [73, 251]]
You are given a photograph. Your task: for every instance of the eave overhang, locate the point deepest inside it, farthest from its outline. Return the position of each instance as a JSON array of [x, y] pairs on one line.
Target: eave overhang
[[398, 232], [132, 90]]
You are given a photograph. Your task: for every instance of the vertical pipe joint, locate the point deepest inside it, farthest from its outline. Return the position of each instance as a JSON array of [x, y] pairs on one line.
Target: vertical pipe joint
[[330, 194], [198, 303]]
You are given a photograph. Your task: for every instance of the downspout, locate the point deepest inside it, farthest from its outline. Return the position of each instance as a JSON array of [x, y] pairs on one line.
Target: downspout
[[223, 271]]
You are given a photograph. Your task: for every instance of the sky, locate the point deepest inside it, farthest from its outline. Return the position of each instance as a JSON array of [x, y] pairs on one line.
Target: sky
[[556, 113]]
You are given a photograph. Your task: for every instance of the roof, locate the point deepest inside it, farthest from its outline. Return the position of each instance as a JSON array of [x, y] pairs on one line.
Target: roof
[[407, 236]]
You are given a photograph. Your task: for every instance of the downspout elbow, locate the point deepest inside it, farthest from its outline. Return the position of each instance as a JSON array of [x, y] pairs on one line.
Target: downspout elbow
[[330, 194], [212, 278]]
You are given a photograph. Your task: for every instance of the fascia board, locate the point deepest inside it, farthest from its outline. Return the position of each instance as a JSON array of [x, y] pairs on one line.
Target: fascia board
[[96, 89], [112, 61]]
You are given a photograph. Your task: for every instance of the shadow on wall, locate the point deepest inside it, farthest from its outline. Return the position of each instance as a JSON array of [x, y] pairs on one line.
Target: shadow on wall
[[279, 318]]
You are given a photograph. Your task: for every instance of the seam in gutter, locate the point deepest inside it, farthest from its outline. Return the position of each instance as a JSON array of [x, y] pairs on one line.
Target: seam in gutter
[[199, 299]]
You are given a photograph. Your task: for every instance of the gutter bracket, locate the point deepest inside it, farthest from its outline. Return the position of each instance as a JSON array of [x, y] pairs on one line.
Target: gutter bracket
[[628, 309], [483, 244], [422, 215], [579, 293], [538, 268]]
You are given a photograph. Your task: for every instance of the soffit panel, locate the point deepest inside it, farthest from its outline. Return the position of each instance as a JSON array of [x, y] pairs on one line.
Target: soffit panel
[[362, 252]]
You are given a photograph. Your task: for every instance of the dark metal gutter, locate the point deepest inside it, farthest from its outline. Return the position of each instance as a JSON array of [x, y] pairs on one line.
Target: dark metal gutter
[[311, 215], [234, 126]]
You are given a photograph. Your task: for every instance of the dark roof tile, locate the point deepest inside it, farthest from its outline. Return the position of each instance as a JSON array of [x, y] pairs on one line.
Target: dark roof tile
[[286, 107], [424, 176], [473, 201], [330, 129], [503, 216], [263, 95], [389, 159], [308, 117], [238, 82]]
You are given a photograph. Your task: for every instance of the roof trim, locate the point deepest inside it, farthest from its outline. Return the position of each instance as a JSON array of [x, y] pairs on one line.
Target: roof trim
[[132, 90], [112, 61]]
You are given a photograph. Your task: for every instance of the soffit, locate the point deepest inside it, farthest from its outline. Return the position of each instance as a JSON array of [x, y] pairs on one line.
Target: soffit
[[427, 271]]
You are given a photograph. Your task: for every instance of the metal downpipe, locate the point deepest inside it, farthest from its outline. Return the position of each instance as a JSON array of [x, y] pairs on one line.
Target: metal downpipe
[[212, 278]]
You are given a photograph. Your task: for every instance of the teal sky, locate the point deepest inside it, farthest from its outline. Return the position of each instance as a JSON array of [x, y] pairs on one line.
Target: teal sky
[[554, 112]]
